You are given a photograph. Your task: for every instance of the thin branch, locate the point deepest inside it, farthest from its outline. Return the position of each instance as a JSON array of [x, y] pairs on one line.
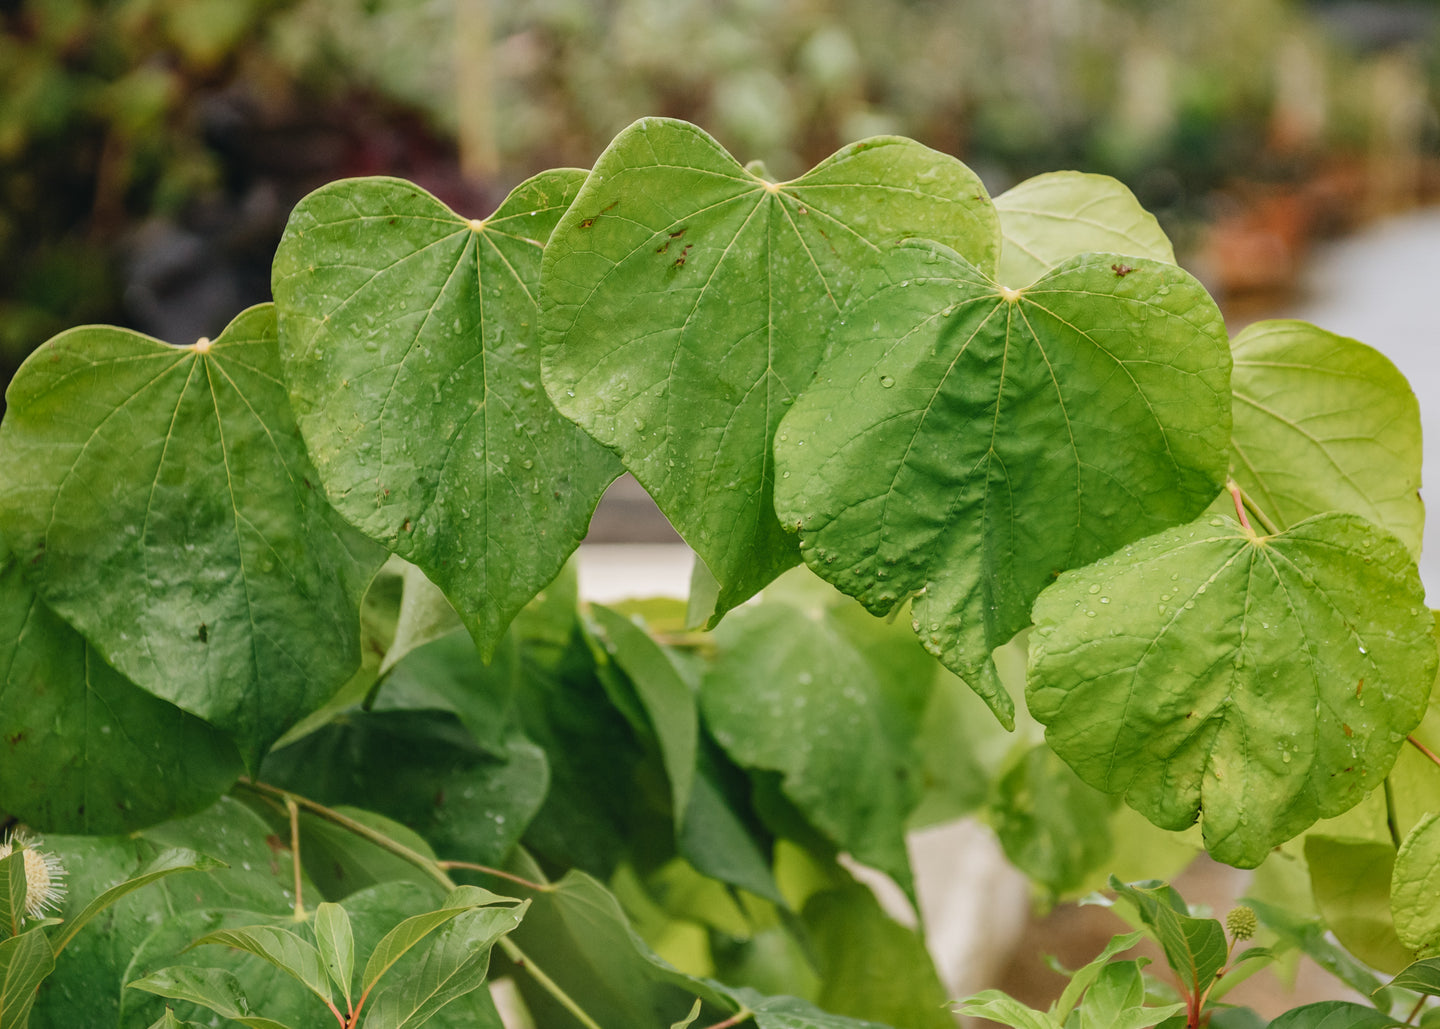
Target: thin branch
[[1419, 1005], [1244, 502], [1424, 749], [1392, 821], [294, 810], [521, 960], [497, 873]]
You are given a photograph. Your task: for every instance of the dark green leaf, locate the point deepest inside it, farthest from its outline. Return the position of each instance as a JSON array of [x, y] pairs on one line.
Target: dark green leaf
[[1194, 947], [1350, 880], [423, 769], [1334, 1014], [577, 933], [76, 732], [447, 674], [342, 862], [161, 500], [1266, 682], [166, 863], [25, 962], [13, 886], [963, 443], [213, 988], [791, 694], [686, 302], [409, 340], [1052, 217], [424, 615], [1324, 423], [668, 701]]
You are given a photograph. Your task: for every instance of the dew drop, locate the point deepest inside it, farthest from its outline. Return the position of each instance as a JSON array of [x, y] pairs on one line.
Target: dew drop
[[886, 381]]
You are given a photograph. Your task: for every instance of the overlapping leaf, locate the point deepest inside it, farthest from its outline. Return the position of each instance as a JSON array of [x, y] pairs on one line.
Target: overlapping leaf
[[686, 301], [1052, 217], [76, 731], [1415, 888], [409, 340], [161, 501], [964, 443], [1324, 423], [1263, 682]]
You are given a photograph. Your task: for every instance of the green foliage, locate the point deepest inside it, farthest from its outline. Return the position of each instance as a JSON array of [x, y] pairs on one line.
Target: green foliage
[[823, 370]]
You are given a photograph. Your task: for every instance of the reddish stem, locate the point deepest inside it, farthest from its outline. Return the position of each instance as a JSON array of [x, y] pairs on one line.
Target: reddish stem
[[1424, 749], [1239, 506]]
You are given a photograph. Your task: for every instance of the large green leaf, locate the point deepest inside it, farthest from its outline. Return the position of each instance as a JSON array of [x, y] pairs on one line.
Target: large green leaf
[[1415, 888], [166, 863], [408, 335], [792, 694], [1262, 682], [1324, 423], [580, 937], [76, 731], [964, 443], [161, 500], [1334, 1014], [1052, 217], [1350, 881], [288, 951], [1422, 977], [686, 301]]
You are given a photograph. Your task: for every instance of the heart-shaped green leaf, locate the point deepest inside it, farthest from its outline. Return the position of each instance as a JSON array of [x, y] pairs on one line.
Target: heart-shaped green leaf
[[1048, 219], [1262, 682], [409, 339], [1324, 423], [76, 730], [161, 501], [686, 301], [964, 443]]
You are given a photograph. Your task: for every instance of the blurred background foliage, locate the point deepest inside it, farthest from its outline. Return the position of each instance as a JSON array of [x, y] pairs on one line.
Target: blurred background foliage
[[150, 150]]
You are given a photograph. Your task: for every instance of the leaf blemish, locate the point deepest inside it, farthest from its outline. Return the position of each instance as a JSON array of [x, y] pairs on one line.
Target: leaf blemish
[[1121, 270]]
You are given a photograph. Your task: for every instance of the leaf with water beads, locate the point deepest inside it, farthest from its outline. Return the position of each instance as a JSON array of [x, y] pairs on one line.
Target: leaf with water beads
[[687, 301], [1260, 683], [963, 443], [160, 499], [409, 340]]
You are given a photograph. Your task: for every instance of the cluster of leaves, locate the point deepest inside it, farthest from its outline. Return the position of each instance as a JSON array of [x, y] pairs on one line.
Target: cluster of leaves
[[318, 565]]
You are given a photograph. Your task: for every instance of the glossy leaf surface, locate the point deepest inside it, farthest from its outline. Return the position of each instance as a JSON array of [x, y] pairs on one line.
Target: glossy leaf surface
[[25, 961], [215, 988], [1262, 683], [1052, 217], [687, 301], [408, 335], [1324, 423], [161, 500], [963, 444]]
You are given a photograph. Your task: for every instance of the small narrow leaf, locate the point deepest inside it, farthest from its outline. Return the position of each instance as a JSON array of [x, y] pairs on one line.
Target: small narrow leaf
[[169, 1021], [25, 961], [689, 1019], [1415, 888], [166, 863], [336, 943], [1000, 1007], [964, 443], [1324, 423], [294, 956], [393, 946], [1052, 217], [686, 301], [1261, 682], [161, 500], [409, 340], [1194, 947], [1081, 980], [215, 988]]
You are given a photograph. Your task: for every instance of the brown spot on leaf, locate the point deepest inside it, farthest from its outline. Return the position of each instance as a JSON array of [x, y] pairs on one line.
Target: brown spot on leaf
[[1121, 270]]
